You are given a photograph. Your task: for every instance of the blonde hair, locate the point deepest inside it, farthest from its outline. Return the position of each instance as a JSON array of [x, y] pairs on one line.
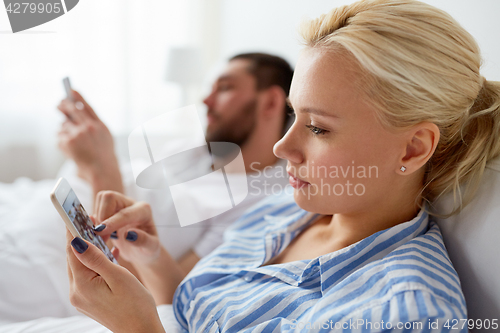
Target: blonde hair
[[421, 65]]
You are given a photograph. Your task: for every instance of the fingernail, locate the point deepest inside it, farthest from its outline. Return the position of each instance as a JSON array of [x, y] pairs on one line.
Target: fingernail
[[100, 227], [114, 235], [131, 236], [79, 245]]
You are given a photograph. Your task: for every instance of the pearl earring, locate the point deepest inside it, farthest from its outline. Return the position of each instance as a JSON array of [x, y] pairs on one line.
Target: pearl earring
[[403, 168]]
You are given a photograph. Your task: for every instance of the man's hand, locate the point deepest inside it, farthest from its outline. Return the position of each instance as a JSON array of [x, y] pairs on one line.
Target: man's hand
[[85, 139]]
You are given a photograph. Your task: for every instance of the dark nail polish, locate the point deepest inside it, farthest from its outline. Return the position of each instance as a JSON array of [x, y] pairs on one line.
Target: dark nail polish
[[114, 235], [131, 236], [79, 245], [100, 227]]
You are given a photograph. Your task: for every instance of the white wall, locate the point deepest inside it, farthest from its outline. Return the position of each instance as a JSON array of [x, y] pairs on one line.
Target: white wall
[[115, 53], [271, 26]]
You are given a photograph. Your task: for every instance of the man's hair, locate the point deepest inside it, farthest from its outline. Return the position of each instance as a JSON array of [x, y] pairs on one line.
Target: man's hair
[[270, 70]]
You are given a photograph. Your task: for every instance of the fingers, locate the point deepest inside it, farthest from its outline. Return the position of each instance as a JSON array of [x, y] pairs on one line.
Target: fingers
[[86, 107], [92, 218], [137, 214], [108, 203], [66, 126], [68, 129], [104, 237], [69, 238], [138, 238], [116, 252], [89, 274], [67, 136], [87, 262], [63, 108], [77, 110], [77, 272], [70, 111], [137, 246]]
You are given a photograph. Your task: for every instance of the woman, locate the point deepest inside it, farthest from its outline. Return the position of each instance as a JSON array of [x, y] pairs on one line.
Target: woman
[[391, 113]]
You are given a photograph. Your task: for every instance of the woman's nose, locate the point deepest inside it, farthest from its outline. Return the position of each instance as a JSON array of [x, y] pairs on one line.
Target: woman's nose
[[288, 148]]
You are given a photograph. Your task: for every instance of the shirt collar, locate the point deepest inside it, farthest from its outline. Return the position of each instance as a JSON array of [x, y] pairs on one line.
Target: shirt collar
[[335, 266]]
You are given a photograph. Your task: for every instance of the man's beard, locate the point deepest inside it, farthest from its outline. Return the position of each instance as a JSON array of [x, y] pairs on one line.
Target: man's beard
[[239, 129]]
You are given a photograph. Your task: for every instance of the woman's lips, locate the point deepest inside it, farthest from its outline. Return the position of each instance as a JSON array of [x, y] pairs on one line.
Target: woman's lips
[[296, 182]]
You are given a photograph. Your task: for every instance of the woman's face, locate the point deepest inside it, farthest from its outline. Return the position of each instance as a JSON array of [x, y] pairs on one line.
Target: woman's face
[[341, 159]]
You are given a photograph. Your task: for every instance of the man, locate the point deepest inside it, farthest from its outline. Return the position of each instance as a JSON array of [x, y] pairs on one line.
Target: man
[[246, 106]]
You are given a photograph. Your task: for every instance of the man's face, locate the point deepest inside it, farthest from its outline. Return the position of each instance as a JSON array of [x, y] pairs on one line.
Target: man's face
[[232, 104]]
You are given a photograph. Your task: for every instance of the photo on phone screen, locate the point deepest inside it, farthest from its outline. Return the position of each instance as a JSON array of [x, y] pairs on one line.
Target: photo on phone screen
[[83, 224]]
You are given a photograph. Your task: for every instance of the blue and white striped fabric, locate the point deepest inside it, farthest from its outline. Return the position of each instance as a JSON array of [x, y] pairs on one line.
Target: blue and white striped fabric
[[397, 279]]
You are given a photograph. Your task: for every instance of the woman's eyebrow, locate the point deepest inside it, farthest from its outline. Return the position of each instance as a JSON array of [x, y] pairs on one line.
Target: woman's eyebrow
[[313, 110]]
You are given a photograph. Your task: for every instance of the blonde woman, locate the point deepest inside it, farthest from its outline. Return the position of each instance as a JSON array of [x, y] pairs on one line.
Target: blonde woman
[[391, 113]]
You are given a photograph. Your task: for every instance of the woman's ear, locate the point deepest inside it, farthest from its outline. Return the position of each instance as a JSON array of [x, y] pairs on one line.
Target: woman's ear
[[422, 140]]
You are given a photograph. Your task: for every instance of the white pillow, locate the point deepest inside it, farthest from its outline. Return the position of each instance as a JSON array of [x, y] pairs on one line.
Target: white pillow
[[473, 242]]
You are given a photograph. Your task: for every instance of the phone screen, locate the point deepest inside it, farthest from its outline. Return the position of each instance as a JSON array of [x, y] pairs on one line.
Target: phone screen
[[83, 224]]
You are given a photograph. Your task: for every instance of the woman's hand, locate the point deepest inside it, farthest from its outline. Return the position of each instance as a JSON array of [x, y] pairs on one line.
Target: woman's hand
[[133, 232], [130, 225], [106, 292]]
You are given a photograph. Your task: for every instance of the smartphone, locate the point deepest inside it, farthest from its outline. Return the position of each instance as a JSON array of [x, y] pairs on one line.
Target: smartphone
[[67, 87], [76, 218]]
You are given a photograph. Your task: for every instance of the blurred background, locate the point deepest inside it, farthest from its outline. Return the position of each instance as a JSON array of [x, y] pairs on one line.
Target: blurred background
[[134, 60]]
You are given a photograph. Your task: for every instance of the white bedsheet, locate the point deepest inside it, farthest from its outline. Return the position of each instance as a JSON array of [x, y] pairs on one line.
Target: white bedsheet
[[83, 324], [33, 278]]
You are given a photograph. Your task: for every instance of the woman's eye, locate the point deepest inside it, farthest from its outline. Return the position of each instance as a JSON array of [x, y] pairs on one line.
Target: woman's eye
[[316, 130]]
